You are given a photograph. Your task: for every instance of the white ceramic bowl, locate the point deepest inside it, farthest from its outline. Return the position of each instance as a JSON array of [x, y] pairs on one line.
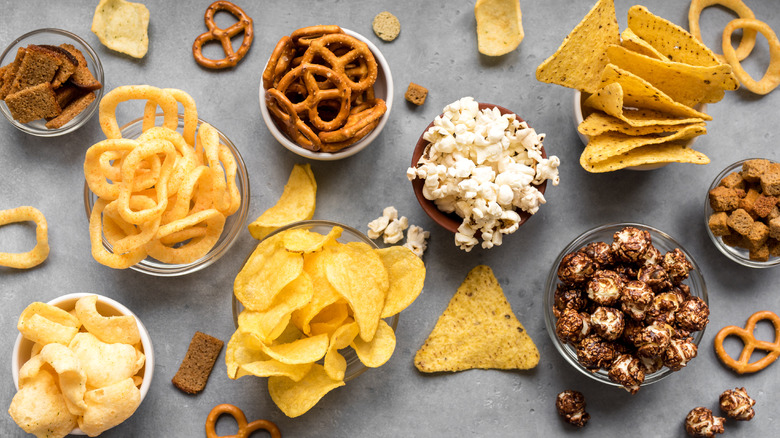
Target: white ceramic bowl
[[55, 37], [383, 89], [107, 307]]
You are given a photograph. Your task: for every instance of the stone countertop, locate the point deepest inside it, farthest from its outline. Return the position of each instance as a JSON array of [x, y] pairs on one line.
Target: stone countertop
[[437, 48]]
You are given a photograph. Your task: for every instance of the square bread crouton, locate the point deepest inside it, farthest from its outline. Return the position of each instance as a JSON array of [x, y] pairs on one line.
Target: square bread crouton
[[774, 247], [38, 66], [33, 103], [753, 169], [10, 73], [82, 77], [740, 221], [758, 235], [774, 228], [416, 94], [71, 111], [724, 199], [747, 202], [760, 254], [718, 223], [764, 205], [733, 181], [770, 181]]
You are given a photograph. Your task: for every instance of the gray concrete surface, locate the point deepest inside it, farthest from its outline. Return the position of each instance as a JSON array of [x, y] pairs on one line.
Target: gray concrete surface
[[437, 48]]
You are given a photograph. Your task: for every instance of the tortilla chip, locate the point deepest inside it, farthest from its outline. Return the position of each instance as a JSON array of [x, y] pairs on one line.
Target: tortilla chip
[[477, 330], [675, 152], [579, 60], [499, 26], [598, 123], [631, 41], [671, 40], [602, 147]]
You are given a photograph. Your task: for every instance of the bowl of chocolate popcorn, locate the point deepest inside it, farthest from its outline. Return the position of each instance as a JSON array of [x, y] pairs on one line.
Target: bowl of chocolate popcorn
[[625, 304]]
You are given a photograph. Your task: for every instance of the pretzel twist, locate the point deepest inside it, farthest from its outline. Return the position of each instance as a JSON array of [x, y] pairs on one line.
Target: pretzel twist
[[316, 95], [244, 428], [354, 51], [279, 63], [231, 58], [743, 364], [281, 107]]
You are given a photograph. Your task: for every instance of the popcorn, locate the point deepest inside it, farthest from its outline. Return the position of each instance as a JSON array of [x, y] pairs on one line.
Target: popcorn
[[395, 230], [482, 165], [389, 225], [416, 240]]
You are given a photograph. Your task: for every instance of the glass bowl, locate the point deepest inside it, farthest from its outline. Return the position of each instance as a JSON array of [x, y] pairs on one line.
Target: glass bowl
[[663, 242], [383, 89], [55, 37], [737, 254], [107, 307], [233, 224], [451, 221], [354, 366]]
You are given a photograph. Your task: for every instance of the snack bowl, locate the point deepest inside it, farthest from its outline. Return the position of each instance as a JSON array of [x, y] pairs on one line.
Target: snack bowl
[[383, 89], [106, 307], [735, 253], [233, 224], [354, 366], [581, 113], [451, 221], [55, 37], [604, 233]]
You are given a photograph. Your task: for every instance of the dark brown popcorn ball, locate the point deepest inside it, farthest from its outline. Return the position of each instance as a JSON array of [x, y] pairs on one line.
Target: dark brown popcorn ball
[[683, 289], [604, 288], [632, 331], [594, 352], [676, 265], [600, 253], [653, 340], [693, 314], [571, 407], [654, 276], [679, 353], [630, 244], [651, 364], [635, 299], [607, 322], [576, 268], [627, 272], [572, 326], [626, 370], [651, 257], [737, 404], [664, 307], [567, 298], [700, 423]]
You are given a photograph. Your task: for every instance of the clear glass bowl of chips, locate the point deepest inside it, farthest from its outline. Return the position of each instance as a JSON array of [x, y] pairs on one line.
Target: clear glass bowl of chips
[[23, 347], [55, 37], [354, 366], [233, 223], [604, 233]]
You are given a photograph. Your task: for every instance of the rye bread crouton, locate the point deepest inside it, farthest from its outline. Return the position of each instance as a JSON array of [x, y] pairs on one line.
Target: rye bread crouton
[[746, 202], [196, 367], [718, 223], [740, 221], [733, 181], [67, 67], [753, 169], [774, 247], [760, 254], [69, 112], [416, 94], [33, 103], [38, 66], [724, 198], [10, 74], [770, 180], [774, 228], [758, 235], [82, 77], [736, 240], [764, 205]]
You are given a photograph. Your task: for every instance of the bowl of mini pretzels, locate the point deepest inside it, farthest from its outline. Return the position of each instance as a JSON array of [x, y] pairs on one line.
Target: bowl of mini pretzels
[[326, 92]]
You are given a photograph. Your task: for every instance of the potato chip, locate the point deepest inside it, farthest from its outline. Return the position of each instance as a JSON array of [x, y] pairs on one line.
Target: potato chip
[[242, 348], [631, 41], [109, 329], [608, 145], [599, 123], [297, 203], [748, 40], [499, 26], [674, 152], [269, 269], [671, 40], [38, 254], [771, 78], [477, 330], [44, 324], [579, 60], [109, 406], [304, 350], [271, 367], [684, 83], [376, 352], [269, 324], [357, 274], [304, 241], [334, 364], [324, 294], [39, 408], [296, 398], [406, 275], [329, 319], [105, 364], [122, 26]]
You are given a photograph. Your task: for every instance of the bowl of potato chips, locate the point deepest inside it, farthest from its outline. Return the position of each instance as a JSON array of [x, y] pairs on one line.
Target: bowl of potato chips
[[315, 305], [100, 364], [194, 245]]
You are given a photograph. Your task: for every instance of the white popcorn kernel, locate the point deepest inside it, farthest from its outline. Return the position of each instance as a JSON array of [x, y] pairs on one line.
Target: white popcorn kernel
[[416, 240], [548, 169], [394, 231]]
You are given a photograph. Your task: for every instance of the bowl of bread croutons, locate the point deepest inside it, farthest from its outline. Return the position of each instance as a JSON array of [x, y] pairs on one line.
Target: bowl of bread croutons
[[742, 212], [51, 82]]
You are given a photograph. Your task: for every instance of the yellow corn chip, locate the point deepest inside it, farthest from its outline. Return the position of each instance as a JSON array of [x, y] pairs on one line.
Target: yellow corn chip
[[579, 60], [674, 152], [499, 26], [631, 41], [297, 203], [605, 146], [477, 330], [671, 40], [122, 26], [598, 123]]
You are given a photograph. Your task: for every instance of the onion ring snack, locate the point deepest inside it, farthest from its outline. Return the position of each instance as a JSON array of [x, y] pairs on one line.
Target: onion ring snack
[[38, 254]]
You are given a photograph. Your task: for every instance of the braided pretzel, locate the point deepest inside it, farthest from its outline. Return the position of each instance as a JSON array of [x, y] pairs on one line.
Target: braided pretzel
[[224, 35], [244, 429], [339, 63], [743, 364], [281, 107], [309, 105]]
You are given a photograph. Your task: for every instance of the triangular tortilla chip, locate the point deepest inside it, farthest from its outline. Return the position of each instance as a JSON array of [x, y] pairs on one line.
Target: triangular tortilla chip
[[598, 123], [675, 152], [477, 330], [579, 60], [631, 41], [602, 147]]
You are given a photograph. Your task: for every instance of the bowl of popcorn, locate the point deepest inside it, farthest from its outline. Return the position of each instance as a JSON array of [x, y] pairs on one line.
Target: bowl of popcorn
[[82, 364], [480, 171], [742, 214], [626, 305]]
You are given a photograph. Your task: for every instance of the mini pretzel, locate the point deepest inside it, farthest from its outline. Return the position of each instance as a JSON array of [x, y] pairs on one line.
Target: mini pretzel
[[771, 78], [743, 364], [316, 94], [281, 107], [355, 123], [340, 62], [224, 35], [279, 63], [244, 429], [305, 35]]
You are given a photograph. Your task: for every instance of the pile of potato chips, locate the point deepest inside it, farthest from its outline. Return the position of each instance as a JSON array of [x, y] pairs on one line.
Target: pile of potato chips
[[84, 370], [307, 296], [642, 85]]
